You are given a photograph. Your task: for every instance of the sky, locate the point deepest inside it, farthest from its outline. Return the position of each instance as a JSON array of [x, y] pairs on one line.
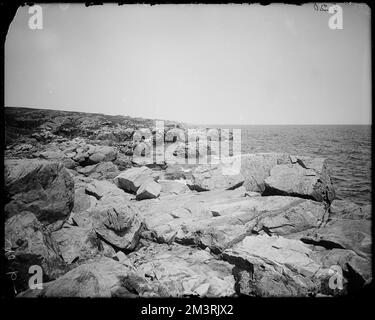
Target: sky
[[199, 64]]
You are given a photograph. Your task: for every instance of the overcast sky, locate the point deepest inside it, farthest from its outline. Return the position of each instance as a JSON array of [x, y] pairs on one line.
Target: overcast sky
[[204, 64]]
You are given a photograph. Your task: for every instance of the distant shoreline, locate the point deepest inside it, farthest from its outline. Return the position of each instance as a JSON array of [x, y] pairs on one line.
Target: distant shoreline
[[228, 126], [190, 125]]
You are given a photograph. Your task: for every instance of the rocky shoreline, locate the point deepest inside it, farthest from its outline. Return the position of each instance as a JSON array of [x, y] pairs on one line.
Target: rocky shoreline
[[101, 225]]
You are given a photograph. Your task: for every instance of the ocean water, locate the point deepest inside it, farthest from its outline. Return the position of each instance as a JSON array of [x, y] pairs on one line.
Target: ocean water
[[346, 148]]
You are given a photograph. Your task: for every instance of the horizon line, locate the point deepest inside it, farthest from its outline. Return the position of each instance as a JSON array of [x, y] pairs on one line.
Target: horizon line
[[200, 124]]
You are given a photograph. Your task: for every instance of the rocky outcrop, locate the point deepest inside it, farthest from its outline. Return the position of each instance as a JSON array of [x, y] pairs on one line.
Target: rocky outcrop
[[100, 278], [255, 168], [103, 207], [76, 243], [219, 219], [26, 245], [306, 178], [184, 271], [274, 266], [46, 125], [344, 234], [42, 187], [153, 271], [264, 224], [117, 224], [299, 216], [267, 173]]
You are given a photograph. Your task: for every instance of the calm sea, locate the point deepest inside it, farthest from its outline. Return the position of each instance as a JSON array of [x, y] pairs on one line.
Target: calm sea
[[347, 149]]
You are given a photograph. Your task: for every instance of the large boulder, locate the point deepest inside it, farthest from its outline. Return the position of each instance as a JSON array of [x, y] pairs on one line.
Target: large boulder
[[118, 223], [76, 243], [130, 180], [274, 266], [27, 245], [42, 187], [184, 271], [149, 189], [255, 168], [98, 278], [306, 178]]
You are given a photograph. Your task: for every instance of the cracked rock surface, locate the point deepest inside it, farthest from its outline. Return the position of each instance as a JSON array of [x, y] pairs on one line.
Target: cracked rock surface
[[101, 223]]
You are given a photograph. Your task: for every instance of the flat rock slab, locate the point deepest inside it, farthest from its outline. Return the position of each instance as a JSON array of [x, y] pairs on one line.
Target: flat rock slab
[[278, 250], [298, 217], [219, 219], [206, 178], [345, 234], [274, 266], [343, 209], [173, 187], [184, 271]]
